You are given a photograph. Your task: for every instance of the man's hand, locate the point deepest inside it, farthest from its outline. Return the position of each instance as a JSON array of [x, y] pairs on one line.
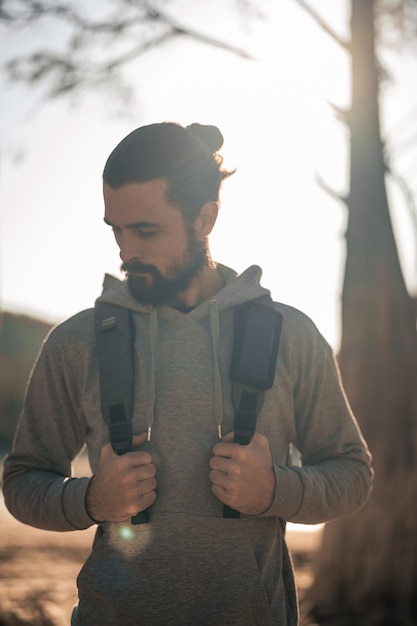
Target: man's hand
[[243, 476], [123, 485]]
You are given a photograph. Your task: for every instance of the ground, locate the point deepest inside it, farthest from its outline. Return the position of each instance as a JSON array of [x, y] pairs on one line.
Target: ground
[[38, 570]]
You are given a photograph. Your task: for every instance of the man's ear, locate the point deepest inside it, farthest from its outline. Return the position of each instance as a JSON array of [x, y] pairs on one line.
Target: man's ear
[[203, 224]]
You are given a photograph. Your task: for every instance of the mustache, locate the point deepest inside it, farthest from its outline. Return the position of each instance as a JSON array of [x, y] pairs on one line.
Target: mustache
[[135, 266]]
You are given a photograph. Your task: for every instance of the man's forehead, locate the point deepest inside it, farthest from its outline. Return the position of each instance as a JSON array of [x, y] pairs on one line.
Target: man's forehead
[[145, 195], [139, 202]]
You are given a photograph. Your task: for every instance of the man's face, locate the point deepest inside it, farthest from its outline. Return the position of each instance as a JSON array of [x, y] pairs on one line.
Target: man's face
[[160, 255]]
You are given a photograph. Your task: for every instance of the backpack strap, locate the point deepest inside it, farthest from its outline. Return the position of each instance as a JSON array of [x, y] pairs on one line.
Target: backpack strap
[[256, 339], [114, 339]]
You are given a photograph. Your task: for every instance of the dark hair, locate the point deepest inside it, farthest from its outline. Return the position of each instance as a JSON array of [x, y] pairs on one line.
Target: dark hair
[[186, 157]]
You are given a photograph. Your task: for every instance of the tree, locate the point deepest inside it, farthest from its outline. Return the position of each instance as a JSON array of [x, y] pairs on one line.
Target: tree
[[367, 571]]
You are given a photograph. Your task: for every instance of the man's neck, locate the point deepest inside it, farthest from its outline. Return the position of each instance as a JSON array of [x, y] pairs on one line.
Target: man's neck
[[208, 282]]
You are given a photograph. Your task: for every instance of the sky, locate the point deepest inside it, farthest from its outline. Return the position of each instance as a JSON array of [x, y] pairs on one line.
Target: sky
[[280, 133]]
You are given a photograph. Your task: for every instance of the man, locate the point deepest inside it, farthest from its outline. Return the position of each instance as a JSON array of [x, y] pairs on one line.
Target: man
[[188, 565]]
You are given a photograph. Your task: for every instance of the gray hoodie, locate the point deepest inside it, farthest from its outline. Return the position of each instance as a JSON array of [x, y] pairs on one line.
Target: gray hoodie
[[189, 565]]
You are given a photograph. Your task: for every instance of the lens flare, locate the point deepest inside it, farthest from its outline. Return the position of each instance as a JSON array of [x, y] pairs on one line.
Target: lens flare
[[126, 533]]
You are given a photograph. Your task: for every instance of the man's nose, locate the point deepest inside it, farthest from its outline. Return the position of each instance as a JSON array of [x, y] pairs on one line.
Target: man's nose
[[130, 248]]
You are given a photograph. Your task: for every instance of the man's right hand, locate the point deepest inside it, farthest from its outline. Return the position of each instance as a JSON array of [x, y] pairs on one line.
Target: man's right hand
[[123, 485]]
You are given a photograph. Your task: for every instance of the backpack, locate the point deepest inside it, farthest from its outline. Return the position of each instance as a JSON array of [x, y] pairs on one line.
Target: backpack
[[257, 330]]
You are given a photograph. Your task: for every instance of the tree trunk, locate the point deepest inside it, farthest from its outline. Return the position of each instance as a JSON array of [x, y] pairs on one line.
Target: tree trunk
[[367, 571]]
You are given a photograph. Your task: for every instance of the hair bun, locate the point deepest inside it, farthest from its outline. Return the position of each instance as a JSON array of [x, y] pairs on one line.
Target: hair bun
[[209, 135]]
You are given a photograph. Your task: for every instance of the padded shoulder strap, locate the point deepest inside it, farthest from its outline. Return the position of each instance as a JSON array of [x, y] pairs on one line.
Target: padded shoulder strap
[[255, 349], [257, 332], [114, 339]]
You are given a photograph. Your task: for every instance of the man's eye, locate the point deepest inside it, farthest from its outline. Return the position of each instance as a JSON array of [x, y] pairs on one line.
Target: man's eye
[[147, 233]]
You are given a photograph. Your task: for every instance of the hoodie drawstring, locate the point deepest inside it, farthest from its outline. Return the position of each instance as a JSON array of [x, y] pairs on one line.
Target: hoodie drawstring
[[215, 335], [153, 336]]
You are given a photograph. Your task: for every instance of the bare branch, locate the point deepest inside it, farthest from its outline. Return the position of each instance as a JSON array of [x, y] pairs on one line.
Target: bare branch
[[331, 192], [138, 50], [35, 11], [183, 29], [341, 113], [319, 20], [37, 66], [136, 26]]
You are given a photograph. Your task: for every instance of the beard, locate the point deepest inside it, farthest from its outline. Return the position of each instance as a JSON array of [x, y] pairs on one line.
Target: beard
[[156, 289]]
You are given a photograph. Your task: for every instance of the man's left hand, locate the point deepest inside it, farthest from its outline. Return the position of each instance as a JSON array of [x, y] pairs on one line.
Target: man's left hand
[[242, 476]]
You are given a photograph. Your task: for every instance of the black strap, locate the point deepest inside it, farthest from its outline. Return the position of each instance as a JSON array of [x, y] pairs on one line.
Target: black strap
[[248, 400], [115, 364], [244, 424], [115, 342]]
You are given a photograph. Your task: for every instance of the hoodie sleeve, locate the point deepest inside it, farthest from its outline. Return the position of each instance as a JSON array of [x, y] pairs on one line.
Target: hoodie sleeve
[[38, 486], [334, 476]]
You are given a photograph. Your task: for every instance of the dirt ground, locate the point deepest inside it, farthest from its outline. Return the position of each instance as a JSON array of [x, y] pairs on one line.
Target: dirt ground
[[38, 570]]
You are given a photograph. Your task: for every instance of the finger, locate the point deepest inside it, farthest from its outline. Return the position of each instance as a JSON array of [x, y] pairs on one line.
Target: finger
[[145, 501], [218, 478], [138, 440], [149, 485], [144, 486], [144, 471], [138, 504], [139, 488], [138, 458], [219, 464], [145, 495], [224, 449], [229, 437], [220, 493]]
